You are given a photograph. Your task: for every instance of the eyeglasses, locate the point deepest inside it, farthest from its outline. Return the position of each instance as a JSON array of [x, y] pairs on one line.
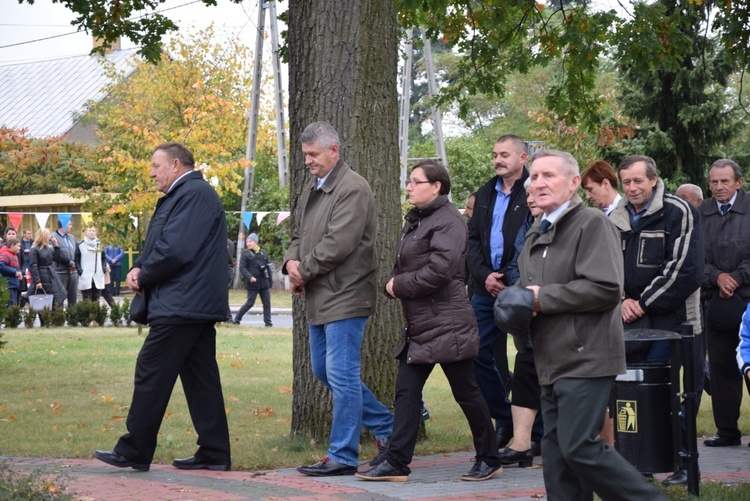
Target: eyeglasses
[[415, 183]]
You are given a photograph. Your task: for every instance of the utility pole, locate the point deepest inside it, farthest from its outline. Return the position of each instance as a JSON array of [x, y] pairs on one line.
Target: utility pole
[[281, 153], [437, 119], [405, 107]]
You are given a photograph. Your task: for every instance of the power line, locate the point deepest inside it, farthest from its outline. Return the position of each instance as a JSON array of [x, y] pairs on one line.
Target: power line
[[78, 31]]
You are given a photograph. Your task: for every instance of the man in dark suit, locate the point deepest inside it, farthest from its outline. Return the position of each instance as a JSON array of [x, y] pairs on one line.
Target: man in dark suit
[[191, 299], [725, 291]]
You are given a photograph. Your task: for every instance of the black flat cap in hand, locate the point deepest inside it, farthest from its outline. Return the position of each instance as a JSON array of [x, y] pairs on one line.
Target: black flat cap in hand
[[514, 308]]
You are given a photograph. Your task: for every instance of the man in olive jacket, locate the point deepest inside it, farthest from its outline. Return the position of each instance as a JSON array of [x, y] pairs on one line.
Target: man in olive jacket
[[331, 259], [572, 262]]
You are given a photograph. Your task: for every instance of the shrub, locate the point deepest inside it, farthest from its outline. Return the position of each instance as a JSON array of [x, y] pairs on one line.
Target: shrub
[[45, 317], [29, 318], [125, 308], [76, 314], [100, 312], [12, 316], [58, 317], [115, 314]]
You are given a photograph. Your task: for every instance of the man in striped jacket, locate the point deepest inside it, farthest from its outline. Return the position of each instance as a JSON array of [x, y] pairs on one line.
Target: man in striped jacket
[[662, 245]]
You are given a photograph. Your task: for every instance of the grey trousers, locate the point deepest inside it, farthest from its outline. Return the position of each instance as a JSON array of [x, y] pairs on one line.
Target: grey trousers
[[576, 462]]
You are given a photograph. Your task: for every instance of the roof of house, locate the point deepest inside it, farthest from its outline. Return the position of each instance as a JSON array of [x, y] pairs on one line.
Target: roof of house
[[44, 96]]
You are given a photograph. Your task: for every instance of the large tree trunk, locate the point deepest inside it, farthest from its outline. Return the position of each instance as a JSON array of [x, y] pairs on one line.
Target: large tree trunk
[[342, 69]]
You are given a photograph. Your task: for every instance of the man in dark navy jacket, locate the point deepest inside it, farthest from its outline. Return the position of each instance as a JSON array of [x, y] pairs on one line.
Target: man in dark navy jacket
[[183, 280], [500, 210]]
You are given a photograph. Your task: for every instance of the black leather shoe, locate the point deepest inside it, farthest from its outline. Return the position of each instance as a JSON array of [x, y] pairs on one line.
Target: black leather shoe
[[536, 448], [719, 441], [503, 437], [195, 463], [510, 456], [327, 467], [382, 445], [115, 459], [677, 478], [383, 472], [481, 471]]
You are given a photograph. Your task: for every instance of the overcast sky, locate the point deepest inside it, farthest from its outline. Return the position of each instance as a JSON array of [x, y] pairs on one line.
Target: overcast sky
[[23, 27]]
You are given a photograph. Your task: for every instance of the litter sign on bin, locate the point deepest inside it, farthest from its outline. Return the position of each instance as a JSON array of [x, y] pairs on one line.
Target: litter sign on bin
[[627, 416]]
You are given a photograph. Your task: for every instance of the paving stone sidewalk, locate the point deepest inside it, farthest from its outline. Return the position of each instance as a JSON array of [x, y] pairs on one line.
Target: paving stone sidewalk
[[433, 478]]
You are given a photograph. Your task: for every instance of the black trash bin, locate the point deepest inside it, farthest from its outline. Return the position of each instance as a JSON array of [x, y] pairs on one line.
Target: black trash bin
[[645, 407]]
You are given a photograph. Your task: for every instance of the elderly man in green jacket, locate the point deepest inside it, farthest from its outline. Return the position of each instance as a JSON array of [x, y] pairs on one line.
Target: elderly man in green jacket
[[331, 259], [573, 263]]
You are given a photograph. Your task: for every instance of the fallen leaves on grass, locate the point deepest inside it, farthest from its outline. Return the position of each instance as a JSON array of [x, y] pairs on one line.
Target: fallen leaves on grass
[[263, 412], [285, 389]]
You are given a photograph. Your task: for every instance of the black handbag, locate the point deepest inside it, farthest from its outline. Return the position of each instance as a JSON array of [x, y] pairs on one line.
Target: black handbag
[[139, 309]]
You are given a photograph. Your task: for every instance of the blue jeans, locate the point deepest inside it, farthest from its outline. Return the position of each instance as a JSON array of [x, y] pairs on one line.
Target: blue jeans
[[335, 352], [485, 368]]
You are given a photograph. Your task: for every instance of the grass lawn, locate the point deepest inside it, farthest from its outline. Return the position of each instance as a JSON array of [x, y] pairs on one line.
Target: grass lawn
[[279, 298], [65, 392]]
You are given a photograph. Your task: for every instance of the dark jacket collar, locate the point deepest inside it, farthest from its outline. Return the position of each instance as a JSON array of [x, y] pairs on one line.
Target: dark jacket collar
[[416, 214], [194, 174]]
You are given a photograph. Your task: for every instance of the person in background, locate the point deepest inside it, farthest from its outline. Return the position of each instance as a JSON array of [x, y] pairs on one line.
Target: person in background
[[528, 428], [428, 278], [256, 271], [26, 242], [10, 269], [331, 260], [90, 263], [499, 211], [45, 254], [572, 262], [114, 255], [185, 288], [725, 292], [106, 292], [691, 193], [66, 267], [599, 182], [662, 248]]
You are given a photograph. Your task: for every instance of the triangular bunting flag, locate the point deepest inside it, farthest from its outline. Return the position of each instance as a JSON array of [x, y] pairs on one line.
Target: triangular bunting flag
[[281, 217], [15, 220], [87, 219], [260, 215], [41, 218], [135, 221], [64, 219], [247, 218]]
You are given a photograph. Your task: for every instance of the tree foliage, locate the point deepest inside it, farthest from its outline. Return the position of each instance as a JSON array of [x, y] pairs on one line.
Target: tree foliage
[[496, 38], [198, 96], [36, 166], [685, 115], [136, 20]]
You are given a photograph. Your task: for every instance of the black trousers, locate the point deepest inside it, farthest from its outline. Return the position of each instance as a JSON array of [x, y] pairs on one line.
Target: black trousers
[[408, 410], [187, 350], [575, 460], [726, 380], [92, 293], [265, 298]]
